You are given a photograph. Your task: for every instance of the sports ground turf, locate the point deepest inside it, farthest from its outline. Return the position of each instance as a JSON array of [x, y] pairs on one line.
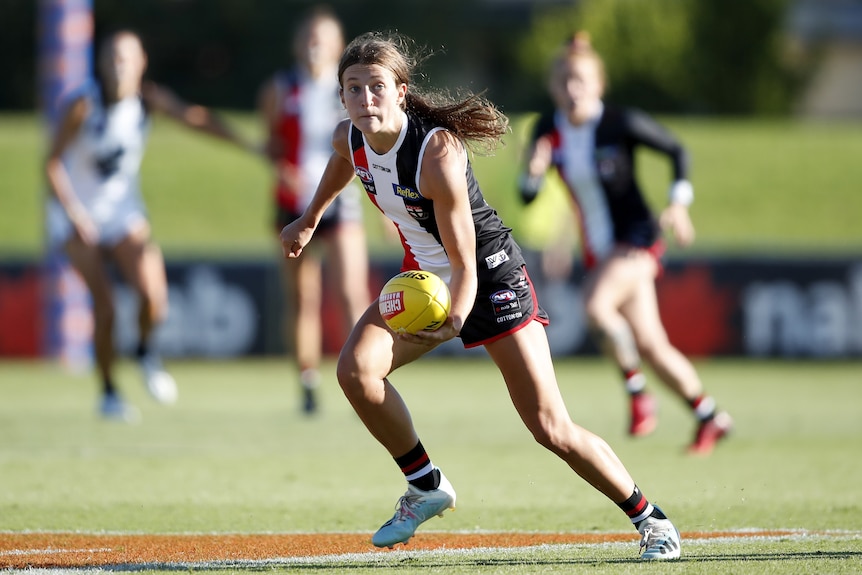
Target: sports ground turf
[[234, 479]]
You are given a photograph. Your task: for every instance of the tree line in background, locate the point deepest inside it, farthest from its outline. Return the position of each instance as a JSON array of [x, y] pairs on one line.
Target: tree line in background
[[670, 56]]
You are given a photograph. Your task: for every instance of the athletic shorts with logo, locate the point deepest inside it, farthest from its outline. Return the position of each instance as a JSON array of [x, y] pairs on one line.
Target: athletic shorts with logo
[[505, 303]]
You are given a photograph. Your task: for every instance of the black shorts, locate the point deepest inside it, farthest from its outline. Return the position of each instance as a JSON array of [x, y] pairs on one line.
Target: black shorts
[[283, 216], [503, 305], [346, 207]]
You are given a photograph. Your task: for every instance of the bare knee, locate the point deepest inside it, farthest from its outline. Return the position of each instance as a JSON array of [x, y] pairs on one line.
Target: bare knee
[[356, 383], [652, 348]]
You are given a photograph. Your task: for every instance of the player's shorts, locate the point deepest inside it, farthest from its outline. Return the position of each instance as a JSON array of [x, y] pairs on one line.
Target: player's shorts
[[656, 251], [502, 307], [114, 221], [347, 207]]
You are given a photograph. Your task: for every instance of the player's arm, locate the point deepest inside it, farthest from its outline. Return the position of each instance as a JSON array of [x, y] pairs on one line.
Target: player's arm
[[675, 217], [337, 175], [267, 109], [645, 130], [196, 117], [537, 162], [59, 182], [443, 180]]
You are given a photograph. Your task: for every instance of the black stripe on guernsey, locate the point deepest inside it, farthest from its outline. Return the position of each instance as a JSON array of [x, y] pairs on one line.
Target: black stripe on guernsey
[[407, 164]]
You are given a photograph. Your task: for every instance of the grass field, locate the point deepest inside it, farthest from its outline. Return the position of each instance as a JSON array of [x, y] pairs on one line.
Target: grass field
[[761, 185], [235, 456]]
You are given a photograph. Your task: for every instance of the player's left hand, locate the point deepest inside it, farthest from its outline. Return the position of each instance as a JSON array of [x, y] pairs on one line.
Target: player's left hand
[[676, 218], [432, 339]]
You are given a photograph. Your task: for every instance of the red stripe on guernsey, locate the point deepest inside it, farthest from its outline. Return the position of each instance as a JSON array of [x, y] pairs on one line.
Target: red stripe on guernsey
[[409, 262], [288, 132], [590, 259], [416, 465], [360, 161]]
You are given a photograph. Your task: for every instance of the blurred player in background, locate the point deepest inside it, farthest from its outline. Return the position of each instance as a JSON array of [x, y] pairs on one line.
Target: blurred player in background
[[592, 146], [97, 213], [300, 108], [409, 150]]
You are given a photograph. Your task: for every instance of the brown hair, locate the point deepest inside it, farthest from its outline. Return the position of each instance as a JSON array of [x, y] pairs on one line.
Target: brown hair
[[471, 118]]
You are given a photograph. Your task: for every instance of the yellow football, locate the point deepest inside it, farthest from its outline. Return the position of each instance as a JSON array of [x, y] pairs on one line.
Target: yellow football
[[414, 301]]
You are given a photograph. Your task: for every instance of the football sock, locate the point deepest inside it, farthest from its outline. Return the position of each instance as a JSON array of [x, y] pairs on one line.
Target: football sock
[[309, 378], [635, 381], [704, 407], [418, 469], [637, 507], [108, 387], [142, 349]]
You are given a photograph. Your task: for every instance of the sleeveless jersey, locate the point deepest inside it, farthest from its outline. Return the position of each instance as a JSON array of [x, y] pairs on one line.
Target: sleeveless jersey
[[596, 162], [391, 181], [104, 161], [308, 111]]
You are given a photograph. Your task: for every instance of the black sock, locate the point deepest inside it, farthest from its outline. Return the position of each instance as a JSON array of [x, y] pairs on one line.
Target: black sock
[[108, 387], [142, 349], [418, 469]]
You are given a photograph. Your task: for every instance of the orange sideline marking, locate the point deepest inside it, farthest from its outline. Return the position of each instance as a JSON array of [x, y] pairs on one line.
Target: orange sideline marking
[[41, 550]]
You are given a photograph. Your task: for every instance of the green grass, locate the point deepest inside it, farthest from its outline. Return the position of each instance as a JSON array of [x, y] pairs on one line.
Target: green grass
[[771, 186], [235, 455]]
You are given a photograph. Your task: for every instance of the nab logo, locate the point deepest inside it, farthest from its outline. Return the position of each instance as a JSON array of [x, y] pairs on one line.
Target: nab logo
[[405, 192]]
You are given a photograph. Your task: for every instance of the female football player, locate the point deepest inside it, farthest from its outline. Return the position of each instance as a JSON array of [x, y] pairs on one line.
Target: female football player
[[300, 108], [592, 145], [96, 212], [409, 151]]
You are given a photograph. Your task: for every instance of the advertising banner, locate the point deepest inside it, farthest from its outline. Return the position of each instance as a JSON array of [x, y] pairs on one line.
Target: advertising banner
[[747, 307]]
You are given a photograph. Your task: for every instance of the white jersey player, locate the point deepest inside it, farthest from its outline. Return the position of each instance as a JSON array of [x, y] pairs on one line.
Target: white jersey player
[[96, 212]]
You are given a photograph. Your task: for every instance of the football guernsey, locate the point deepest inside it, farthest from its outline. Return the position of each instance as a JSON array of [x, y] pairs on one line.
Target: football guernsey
[[596, 162], [103, 163], [505, 298], [392, 182], [308, 111]]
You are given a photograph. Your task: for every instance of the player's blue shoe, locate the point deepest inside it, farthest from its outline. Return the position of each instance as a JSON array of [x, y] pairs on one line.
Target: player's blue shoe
[[659, 538], [414, 508], [112, 407]]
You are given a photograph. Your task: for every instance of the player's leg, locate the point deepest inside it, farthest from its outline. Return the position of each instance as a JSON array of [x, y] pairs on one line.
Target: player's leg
[[524, 359], [143, 267], [370, 354], [605, 291], [347, 265], [303, 284], [89, 262], [671, 366]]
